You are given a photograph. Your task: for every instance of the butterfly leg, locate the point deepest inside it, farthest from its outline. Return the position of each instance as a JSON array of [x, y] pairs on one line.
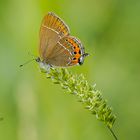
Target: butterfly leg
[[45, 68]]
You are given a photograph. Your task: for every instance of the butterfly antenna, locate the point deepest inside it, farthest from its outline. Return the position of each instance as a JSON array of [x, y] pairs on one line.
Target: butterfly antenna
[[26, 62]]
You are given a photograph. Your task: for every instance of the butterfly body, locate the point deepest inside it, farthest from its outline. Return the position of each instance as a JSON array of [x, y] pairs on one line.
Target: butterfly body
[[57, 46]]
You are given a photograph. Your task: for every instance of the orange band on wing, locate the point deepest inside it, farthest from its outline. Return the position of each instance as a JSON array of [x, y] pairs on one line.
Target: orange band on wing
[[74, 61], [77, 51]]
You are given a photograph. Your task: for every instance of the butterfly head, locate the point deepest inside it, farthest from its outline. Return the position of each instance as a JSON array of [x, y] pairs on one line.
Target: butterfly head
[[38, 59]]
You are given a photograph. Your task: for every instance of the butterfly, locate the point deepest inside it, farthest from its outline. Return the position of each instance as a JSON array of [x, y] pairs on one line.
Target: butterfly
[[57, 47]]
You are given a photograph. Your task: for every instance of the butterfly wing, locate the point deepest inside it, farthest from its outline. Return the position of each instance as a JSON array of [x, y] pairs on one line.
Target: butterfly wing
[[52, 29], [68, 51]]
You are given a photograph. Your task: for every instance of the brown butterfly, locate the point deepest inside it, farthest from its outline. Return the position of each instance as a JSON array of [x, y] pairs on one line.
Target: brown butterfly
[[57, 46]]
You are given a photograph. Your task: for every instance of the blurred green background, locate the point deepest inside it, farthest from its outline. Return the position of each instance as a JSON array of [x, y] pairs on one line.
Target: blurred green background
[[33, 107]]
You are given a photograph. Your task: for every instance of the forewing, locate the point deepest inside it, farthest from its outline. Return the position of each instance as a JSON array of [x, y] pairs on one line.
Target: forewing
[[52, 30]]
